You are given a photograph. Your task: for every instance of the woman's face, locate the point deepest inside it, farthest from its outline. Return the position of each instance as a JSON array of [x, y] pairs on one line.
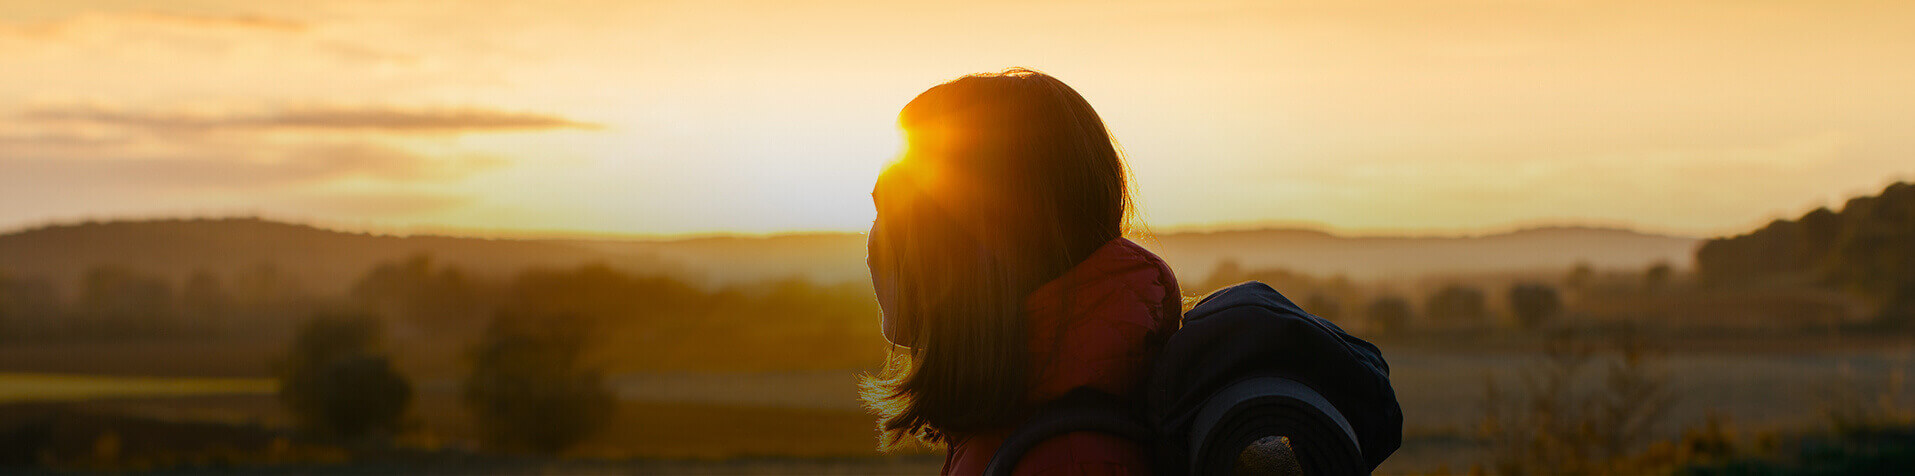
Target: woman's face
[[884, 283]]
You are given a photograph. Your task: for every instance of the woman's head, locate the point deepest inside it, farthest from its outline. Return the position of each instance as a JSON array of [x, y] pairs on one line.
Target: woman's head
[[1007, 181]]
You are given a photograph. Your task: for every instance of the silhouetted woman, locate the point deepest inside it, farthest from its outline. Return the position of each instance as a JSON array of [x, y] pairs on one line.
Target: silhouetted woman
[[1005, 281]]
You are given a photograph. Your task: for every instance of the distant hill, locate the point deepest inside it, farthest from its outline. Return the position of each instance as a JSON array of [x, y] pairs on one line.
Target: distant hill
[[1868, 248], [1193, 255], [840, 256], [822, 257], [327, 261], [321, 261]]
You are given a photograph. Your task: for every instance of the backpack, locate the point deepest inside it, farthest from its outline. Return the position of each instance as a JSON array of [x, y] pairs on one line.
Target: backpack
[[1249, 382]]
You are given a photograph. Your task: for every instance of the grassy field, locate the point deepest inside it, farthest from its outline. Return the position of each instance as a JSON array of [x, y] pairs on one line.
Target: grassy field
[[148, 357], [802, 421], [24, 387]]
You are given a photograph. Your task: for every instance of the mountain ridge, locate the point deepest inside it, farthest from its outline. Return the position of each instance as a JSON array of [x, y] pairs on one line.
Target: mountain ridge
[[329, 260]]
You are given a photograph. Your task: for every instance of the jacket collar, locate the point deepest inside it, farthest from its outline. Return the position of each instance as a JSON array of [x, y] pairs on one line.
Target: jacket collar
[[1119, 264]]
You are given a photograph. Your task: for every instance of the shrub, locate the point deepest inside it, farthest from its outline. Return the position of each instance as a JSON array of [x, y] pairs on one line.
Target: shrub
[[1657, 277], [1533, 303], [1556, 422], [530, 388], [335, 382], [1389, 314], [1323, 306], [1457, 304]]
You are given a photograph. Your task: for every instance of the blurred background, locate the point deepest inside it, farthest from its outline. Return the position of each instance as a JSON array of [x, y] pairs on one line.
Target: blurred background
[[569, 236]]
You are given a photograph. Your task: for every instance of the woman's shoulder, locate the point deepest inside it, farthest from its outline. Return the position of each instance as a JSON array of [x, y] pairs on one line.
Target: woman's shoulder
[[1085, 453], [1101, 326]]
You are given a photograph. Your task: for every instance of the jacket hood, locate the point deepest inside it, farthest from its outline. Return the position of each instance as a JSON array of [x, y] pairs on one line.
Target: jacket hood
[[1101, 323], [1098, 325]]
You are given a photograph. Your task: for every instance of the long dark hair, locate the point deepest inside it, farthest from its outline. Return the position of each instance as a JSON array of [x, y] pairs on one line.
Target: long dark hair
[[1008, 180]]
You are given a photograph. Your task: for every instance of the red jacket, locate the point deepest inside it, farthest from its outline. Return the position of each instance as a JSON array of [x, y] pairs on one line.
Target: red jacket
[[1123, 304]]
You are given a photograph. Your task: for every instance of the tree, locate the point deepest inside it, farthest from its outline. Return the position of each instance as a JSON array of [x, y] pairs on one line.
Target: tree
[[601, 294], [204, 300], [1457, 304], [28, 306], [126, 301], [9, 312], [1876, 254], [1389, 314], [1323, 306], [1580, 276], [1227, 272], [1868, 249], [335, 382], [1656, 277], [415, 291], [1533, 303], [530, 388], [1820, 230], [262, 293]]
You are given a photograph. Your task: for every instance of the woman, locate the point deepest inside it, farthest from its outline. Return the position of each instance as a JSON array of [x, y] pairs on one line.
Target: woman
[[1004, 278]]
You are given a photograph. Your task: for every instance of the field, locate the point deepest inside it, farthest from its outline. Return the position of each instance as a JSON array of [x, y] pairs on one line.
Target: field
[[810, 421]]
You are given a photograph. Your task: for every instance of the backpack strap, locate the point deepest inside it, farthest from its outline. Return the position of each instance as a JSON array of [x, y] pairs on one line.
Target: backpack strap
[[1082, 409]]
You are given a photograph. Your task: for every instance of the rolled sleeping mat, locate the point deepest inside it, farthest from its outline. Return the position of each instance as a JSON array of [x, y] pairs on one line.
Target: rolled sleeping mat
[[1242, 426]]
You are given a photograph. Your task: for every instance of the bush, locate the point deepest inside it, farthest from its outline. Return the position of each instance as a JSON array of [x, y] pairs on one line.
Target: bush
[[120, 300], [1389, 314], [1457, 304], [530, 388], [1657, 277], [1533, 303], [1880, 451], [1323, 306], [1588, 409], [335, 383]]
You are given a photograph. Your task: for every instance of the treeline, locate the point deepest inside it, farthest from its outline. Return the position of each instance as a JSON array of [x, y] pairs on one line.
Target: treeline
[[1526, 301], [1867, 248], [116, 301], [1373, 308], [658, 321], [534, 352], [526, 384]]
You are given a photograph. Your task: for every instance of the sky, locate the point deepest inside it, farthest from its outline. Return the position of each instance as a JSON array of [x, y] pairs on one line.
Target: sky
[[715, 116]]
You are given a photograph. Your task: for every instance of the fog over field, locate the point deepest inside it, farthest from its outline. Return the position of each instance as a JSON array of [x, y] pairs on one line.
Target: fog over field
[[327, 261]]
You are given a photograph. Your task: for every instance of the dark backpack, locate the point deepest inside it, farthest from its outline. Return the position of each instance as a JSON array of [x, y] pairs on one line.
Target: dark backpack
[[1250, 381]]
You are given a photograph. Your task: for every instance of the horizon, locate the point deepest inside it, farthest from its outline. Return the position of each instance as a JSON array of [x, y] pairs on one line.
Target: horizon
[[564, 235], [664, 120]]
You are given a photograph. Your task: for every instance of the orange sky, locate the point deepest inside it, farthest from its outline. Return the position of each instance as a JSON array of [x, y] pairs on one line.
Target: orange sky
[[718, 116]]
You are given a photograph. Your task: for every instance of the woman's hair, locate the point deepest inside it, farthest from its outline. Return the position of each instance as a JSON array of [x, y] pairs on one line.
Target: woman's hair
[[1007, 181]]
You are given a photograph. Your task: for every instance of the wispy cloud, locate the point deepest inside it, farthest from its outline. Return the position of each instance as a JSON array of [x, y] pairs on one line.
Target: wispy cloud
[[95, 22], [374, 118], [389, 204], [257, 169], [240, 21]]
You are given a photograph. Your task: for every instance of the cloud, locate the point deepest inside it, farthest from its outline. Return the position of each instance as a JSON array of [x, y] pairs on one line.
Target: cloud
[[95, 23], [90, 51], [238, 21], [381, 163], [149, 29], [394, 204], [370, 119], [250, 170]]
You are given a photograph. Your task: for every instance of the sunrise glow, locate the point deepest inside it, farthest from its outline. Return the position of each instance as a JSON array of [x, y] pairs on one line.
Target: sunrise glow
[[1692, 118]]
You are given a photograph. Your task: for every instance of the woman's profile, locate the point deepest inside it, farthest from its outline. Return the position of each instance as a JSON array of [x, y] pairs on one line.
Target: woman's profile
[[1004, 277]]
